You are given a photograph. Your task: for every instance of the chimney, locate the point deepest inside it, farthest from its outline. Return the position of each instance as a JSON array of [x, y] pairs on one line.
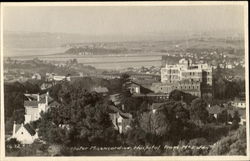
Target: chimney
[[38, 97], [46, 98], [14, 128]]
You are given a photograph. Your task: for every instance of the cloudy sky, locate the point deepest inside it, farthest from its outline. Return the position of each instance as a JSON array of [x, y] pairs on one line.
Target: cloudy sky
[[94, 20]]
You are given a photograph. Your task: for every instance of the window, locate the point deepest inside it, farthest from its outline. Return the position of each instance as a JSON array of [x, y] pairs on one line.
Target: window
[[22, 133]]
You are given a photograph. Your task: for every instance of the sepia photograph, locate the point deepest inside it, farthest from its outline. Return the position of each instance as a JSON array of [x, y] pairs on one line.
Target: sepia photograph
[[148, 79]]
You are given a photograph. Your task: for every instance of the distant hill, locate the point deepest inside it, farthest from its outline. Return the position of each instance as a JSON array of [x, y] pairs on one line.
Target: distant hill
[[93, 51], [51, 40]]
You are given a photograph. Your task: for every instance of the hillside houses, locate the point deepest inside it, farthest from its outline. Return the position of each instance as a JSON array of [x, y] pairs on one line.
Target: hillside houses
[[120, 120], [36, 104]]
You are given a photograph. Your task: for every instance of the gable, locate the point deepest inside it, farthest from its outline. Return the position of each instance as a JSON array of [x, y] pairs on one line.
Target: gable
[[22, 132], [31, 104]]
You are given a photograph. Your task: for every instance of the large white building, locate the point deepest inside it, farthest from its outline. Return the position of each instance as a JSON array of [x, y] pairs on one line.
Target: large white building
[[195, 79], [186, 71]]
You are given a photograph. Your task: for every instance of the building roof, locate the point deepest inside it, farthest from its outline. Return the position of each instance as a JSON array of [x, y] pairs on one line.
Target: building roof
[[242, 112], [43, 98], [156, 105], [30, 130], [31, 103], [54, 103], [215, 109], [114, 109], [151, 95], [31, 96], [100, 89]]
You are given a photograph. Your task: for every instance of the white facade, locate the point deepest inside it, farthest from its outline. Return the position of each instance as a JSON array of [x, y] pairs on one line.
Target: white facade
[[239, 104], [23, 135], [185, 70], [33, 113], [37, 76]]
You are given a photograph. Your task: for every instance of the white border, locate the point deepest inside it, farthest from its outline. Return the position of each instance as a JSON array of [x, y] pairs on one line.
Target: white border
[[111, 158]]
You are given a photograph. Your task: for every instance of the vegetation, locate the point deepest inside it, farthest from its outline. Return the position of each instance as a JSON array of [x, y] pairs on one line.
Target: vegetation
[[82, 119], [233, 144]]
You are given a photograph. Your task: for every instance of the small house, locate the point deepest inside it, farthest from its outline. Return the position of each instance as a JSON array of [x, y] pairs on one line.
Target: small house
[[36, 76], [100, 90], [120, 120], [214, 110], [24, 133]]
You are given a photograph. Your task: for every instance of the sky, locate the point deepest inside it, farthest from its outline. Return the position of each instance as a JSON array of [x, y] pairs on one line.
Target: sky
[[122, 20]]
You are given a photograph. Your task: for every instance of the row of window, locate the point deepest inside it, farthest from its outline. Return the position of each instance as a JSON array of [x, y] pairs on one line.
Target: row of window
[[180, 87]]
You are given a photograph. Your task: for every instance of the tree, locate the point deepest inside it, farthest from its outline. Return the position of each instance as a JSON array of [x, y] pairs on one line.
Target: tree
[[12, 144], [223, 117], [81, 119], [235, 120], [234, 144], [154, 123], [181, 96], [136, 137], [198, 112]]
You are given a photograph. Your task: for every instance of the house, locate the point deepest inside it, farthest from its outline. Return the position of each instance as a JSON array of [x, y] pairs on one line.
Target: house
[[214, 110], [239, 104], [36, 76], [49, 77], [243, 118], [155, 97], [120, 120], [134, 88], [100, 90], [242, 114], [115, 98], [139, 86], [24, 133], [46, 85], [156, 106], [36, 104], [59, 78]]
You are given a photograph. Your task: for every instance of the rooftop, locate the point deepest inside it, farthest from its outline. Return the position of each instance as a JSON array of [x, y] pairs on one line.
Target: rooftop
[[31, 103], [30, 130], [215, 109], [100, 89]]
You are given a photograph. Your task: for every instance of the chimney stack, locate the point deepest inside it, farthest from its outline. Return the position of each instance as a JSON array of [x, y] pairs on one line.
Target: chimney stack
[[46, 98], [38, 97], [14, 128]]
